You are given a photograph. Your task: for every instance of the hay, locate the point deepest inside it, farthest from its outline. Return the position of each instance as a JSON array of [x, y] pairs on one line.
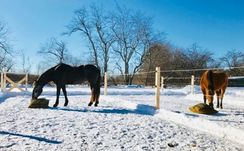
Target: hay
[[39, 103], [202, 108]]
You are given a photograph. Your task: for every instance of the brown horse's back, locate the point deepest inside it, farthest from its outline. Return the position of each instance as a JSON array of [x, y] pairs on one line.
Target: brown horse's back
[[220, 80]]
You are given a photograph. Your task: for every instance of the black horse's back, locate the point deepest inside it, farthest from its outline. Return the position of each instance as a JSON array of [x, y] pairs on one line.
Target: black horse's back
[[66, 74], [75, 75]]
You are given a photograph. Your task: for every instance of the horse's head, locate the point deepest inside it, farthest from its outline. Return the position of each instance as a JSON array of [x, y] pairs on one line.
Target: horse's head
[[210, 92], [37, 90]]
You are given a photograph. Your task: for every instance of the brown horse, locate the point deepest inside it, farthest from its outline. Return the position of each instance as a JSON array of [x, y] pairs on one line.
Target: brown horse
[[213, 82]]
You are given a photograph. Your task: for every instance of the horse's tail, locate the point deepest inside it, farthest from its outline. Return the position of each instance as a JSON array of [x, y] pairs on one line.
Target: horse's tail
[[99, 80], [210, 79], [98, 85]]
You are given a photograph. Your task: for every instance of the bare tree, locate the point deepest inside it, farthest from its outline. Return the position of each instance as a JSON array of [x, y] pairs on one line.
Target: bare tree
[[4, 46], [133, 37], [198, 57], [104, 38], [72, 60], [55, 50], [26, 65], [94, 24], [171, 58], [194, 57], [82, 23], [234, 58], [6, 62], [158, 55]]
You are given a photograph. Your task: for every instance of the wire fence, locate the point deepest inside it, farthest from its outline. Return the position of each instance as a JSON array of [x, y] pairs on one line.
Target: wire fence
[[171, 78], [175, 78]]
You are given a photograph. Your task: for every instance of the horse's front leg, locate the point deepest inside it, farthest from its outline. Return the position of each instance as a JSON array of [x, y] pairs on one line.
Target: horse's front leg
[[57, 98], [65, 95], [217, 102], [221, 98], [97, 100], [97, 94], [210, 101], [221, 105], [204, 96], [218, 92]]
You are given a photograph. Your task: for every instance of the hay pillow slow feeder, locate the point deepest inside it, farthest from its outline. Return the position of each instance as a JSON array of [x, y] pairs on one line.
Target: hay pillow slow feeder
[[39, 103], [203, 108]]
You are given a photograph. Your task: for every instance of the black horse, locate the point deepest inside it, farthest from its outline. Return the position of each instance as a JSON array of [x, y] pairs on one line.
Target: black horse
[[63, 74]]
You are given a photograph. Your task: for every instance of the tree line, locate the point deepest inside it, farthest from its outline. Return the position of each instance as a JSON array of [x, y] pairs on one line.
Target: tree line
[[121, 41]]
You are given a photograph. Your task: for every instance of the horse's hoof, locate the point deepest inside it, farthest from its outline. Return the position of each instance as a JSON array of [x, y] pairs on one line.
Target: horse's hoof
[[90, 104], [96, 105], [65, 104], [55, 105]]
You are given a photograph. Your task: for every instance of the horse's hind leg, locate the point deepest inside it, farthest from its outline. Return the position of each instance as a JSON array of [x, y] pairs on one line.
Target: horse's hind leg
[[65, 95], [204, 96], [218, 92], [210, 101], [92, 96], [97, 94], [222, 96], [57, 98], [96, 99]]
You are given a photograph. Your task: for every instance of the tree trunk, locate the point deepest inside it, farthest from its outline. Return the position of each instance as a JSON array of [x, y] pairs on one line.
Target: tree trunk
[[126, 74]]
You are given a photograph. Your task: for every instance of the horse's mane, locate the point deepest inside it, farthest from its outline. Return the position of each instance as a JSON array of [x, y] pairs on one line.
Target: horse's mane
[[43, 79], [210, 78]]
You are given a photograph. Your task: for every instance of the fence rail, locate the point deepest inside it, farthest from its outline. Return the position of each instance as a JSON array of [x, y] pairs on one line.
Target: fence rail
[[13, 83]]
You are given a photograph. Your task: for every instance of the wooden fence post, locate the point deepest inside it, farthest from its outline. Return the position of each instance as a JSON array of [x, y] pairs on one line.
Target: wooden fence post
[[105, 83], [1, 82], [4, 80], [192, 84], [157, 89], [162, 82], [26, 81]]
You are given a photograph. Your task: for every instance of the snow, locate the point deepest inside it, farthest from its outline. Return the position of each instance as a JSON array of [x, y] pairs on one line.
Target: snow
[[125, 120]]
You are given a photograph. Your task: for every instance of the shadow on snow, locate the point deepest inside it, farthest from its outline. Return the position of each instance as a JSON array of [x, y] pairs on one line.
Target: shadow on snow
[[141, 109], [41, 139], [5, 96]]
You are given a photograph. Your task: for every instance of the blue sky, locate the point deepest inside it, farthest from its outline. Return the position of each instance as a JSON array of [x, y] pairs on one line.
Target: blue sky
[[217, 25]]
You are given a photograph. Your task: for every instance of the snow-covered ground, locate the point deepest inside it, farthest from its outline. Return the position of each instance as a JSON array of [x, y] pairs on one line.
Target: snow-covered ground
[[125, 120]]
